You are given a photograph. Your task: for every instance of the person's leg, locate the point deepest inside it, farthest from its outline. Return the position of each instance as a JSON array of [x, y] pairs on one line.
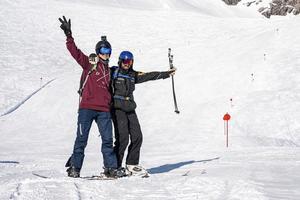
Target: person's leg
[[85, 119], [136, 139], [121, 134], [105, 128]]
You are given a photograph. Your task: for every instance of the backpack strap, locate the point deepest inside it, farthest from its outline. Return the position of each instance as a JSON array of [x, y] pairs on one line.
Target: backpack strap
[[93, 60], [83, 82], [115, 72]]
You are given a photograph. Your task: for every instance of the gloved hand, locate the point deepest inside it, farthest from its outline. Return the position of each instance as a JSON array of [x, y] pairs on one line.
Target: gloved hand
[[172, 71], [66, 26]]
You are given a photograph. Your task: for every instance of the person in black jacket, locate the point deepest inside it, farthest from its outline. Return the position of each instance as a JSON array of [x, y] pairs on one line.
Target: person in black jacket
[[124, 117]]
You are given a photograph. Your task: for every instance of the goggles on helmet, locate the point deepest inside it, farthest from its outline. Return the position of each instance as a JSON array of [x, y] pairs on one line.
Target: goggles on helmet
[[104, 50], [127, 61]]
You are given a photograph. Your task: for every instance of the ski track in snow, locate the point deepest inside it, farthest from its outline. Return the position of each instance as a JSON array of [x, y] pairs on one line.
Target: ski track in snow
[[78, 191], [195, 185], [16, 192], [26, 99]]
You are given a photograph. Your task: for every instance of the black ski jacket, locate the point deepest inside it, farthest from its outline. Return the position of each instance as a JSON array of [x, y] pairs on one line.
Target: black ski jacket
[[123, 85]]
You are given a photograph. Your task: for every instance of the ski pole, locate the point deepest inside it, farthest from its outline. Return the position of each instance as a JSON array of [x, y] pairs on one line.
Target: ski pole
[[173, 87]]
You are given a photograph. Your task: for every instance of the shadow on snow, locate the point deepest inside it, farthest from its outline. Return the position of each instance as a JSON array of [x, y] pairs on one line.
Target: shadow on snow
[[169, 167], [8, 162]]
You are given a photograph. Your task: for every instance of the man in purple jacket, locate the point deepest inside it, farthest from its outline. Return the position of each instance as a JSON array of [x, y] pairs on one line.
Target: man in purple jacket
[[94, 104]]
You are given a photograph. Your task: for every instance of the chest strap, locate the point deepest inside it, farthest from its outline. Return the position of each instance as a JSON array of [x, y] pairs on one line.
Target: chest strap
[[121, 97], [125, 76], [116, 74]]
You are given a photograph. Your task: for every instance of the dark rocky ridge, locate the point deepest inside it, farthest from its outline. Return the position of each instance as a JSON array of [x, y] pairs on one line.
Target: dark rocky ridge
[[276, 7]]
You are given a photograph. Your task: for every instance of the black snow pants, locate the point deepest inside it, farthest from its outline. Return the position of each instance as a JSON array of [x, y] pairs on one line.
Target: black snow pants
[[127, 127]]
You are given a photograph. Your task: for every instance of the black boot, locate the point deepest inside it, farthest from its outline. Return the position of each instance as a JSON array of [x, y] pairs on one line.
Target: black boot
[[73, 172], [114, 173]]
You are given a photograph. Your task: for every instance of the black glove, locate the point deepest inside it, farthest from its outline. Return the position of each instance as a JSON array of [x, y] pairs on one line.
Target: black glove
[[66, 26]]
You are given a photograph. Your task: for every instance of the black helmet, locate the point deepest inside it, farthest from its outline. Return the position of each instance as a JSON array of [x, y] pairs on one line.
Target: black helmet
[[103, 46]]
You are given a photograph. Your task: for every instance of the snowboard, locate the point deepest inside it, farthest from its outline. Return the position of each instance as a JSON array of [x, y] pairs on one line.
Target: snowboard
[[50, 174], [98, 177]]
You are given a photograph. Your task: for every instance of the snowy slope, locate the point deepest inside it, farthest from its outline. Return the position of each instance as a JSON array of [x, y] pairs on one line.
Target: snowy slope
[[204, 7], [221, 53]]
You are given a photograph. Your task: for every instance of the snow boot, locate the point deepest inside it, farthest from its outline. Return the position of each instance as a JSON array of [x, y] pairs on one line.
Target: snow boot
[[136, 170], [73, 172], [114, 173]]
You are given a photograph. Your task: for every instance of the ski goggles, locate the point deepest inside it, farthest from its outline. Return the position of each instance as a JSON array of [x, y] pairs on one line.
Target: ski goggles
[[127, 61], [104, 50]]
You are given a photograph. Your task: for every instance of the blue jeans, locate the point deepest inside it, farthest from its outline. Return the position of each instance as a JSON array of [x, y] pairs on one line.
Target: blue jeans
[[104, 123]]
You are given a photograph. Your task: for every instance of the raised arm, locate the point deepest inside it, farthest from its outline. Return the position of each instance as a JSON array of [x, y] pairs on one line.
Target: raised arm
[[149, 76], [81, 58], [77, 54]]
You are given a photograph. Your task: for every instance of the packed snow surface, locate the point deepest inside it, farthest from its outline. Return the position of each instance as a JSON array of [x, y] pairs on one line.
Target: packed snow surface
[[229, 59]]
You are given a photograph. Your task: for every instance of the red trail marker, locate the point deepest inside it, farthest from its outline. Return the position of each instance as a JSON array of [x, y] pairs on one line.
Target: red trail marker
[[226, 118]]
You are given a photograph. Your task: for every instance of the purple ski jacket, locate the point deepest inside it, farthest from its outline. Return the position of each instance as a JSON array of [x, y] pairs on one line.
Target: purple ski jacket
[[96, 93]]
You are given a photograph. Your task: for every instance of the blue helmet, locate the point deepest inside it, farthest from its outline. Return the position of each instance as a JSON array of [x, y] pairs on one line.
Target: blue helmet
[[126, 57]]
